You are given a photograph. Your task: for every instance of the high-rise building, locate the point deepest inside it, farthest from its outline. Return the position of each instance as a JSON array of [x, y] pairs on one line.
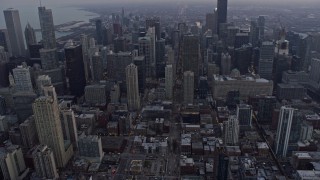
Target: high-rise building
[[223, 167], [96, 95], [28, 133], [315, 74], [4, 56], [211, 22], [22, 79], [44, 163], [222, 6], [261, 25], [48, 126], [243, 58], [97, 67], [191, 56], [69, 127], [265, 68], [132, 87], [188, 87], [231, 130], [145, 49], [48, 58], [42, 81], [13, 24], [169, 81], [139, 61], [99, 31], [47, 28], [90, 148], [115, 93], [283, 131], [30, 35], [4, 41], [85, 54], [75, 68], [154, 22], [12, 163], [254, 33], [244, 115], [160, 58], [225, 64]]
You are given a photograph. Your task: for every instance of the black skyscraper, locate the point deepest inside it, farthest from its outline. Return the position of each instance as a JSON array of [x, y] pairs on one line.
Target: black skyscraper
[[222, 12], [75, 69], [223, 167], [99, 31]]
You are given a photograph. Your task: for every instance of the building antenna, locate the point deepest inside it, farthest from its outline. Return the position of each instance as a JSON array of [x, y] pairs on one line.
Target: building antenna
[[40, 3]]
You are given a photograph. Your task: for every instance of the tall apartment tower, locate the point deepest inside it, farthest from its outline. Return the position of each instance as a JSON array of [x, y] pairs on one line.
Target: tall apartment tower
[[188, 87], [283, 131], [22, 79], [266, 60], [132, 87], [231, 130], [30, 35], [191, 56], [48, 125], [13, 24], [314, 73], [222, 12], [44, 162], [169, 81]]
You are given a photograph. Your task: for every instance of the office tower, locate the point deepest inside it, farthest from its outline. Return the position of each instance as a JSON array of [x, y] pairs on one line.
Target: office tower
[[120, 44], [4, 41], [48, 59], [139, 61], [169, 81], [96, 95], [261, 25], [231, 130], [30, 35], [243, 58], [4, 56], [12, 163], [225, 64], [241, 39], [13, 24], [203, 87], [151, 32], [44, 163], [42, 81], [232, 32], [132, 87], [160, 58], [117, 29], [154, 22], [75, 68], [48, 125], [222, 6], [283, 131], [99, 31], [97, 67], [90, 148], [315, 74], [265, 108], [211, 22], [85, 54], [69, 127], [47, 28], [28, 133], [223, 167], [254, 33], [191, 56], [244, 115], [115, 93], [188, 87], [145, 49], [22, 79], [265, 68]]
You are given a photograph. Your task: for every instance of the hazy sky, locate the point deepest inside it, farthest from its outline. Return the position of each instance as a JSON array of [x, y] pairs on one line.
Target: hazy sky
[[70, 2]]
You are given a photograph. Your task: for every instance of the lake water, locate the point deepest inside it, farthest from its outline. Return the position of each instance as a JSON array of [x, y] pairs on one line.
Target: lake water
[[29, 13]]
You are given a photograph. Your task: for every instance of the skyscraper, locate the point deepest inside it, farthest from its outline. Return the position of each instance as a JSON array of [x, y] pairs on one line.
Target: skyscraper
[[132, 87], [154, 22], [85, 54], [191, 56], [75, 68], [261, 25], [169, 81], [90, 148], [97, 67], [188, 87], [47, 28], [48, 58], [48, 126], [4, 41], [283, 131], [30, 35], [69, 127], [44, 162], [99, 31], [22, 79], [231, 130], [225, 64], [222, 12], [139, 61], [315, 74], [13, 24], [244, 115], [145, 49], [265, 68], [28, 133]]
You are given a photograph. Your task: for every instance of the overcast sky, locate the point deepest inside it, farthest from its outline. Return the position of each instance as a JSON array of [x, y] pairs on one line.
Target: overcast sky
[[69, 2]]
